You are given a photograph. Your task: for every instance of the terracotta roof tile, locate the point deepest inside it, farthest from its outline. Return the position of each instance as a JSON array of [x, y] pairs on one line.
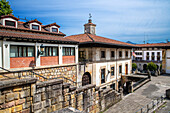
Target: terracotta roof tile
[[26, 35], [154, 45], [94, 38], [9, 16], [53, 24], [35, 20]]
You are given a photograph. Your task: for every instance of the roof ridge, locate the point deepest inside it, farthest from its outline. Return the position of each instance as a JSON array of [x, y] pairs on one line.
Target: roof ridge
[[90, 37]]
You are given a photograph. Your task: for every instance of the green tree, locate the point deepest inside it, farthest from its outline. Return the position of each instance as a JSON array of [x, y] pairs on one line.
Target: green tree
[[134, 66], [151, 66], [5, 8]]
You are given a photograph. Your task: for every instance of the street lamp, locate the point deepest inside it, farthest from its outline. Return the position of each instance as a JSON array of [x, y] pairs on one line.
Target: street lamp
[[41, 51]]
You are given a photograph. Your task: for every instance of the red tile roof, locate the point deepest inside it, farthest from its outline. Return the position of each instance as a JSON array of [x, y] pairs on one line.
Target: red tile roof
[[96, 39], [9, 16], [154, 45], [53, 24], [35, 20], [27, 35], [24, 26]]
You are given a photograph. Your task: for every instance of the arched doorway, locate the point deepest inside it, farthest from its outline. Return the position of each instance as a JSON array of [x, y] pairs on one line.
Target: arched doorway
[[144, 67], [86, 79]]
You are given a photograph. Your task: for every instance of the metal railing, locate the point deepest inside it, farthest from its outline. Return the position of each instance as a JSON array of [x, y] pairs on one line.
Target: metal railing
[[152, 106]]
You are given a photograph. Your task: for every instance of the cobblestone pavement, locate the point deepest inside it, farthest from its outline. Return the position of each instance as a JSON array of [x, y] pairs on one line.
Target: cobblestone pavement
[[144, 95]]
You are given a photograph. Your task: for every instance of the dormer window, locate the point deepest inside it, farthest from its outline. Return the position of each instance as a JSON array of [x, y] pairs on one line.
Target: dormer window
[[36, 27], [10, 23], [54, 29]]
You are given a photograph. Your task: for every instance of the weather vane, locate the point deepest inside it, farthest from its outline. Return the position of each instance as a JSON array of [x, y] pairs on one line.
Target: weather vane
[[90, 16]]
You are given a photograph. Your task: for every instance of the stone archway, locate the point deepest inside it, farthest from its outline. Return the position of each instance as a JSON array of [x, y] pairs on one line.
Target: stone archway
[[86, 79]]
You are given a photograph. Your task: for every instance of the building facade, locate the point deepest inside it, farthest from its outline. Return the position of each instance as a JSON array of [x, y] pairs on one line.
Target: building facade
[[102, 61], [155, 53], [30, 45]]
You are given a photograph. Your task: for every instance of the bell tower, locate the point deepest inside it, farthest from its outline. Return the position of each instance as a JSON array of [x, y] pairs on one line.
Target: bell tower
[[90, 28]]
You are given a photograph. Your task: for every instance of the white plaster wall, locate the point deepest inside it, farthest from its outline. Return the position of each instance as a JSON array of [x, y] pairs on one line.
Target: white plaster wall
[[97, 54], [6, 55], [108, 54], [168, 61], [60, 57], [76, 55], [34, 23], [1, 53], [37, 58], [10, 19], [108, 66], [54, 27], [150, 55]]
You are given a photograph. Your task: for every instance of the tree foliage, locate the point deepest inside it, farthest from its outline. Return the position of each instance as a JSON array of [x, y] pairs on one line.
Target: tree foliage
[[134, 65], [5, 8], [151, 66]]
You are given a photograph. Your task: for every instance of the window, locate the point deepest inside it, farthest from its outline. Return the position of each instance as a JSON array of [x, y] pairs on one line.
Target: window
[[112, 71], [158, 54], [68, 51], [120, 69], [126, 53], [54, 30], [9, 23], [147, 48], [158, 58], [102, 54], [112, 54], [112, 86], [50, 51], [81, 54], [148, 53], [153, 58], [36, 27], [102, 76], [147, 57], [120, 53], [22, 51], [153, 53]]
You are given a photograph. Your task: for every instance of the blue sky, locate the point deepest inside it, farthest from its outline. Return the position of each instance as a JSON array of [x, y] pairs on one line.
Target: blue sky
[[123, 20]]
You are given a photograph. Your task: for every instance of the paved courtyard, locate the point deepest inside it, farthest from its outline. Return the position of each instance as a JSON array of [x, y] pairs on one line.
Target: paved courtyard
[[144, 95]]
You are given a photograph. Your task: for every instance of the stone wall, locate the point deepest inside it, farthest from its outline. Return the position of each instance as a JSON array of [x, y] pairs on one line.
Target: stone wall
[[69, 72], [15, 96], [27, 95]]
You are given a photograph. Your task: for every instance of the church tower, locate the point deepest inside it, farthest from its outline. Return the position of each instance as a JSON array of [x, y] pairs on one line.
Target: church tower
[[90, 28]]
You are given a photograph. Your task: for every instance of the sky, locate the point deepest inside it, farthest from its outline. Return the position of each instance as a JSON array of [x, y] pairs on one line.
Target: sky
[[123, 20]]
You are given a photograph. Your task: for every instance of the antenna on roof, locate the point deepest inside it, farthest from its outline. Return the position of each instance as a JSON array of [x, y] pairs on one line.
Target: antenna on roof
[[23, 18]]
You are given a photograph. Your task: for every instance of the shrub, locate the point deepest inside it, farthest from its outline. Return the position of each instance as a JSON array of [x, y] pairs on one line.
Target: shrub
[[134, 66], [151, 66]]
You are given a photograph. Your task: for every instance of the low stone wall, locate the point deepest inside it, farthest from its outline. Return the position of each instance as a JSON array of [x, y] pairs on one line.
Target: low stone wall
[[15, 96], [69, 72], [27, 95]]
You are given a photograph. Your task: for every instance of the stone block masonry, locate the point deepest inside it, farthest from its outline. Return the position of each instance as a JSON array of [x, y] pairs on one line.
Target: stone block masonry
[[69, 72], [28, 95]]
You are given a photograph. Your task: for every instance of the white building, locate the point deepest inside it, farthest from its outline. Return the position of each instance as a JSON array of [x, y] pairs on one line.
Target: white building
[[102, 61], [146, 53]]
